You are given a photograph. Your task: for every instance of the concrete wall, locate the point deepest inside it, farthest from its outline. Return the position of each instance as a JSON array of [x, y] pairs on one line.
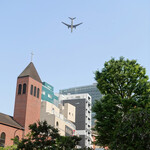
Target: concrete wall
[[69, 112], [82, 102], [49, 107], [80, 112], [55, 118]]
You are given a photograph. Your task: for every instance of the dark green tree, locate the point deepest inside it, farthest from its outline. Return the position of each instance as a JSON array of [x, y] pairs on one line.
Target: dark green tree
[[85, 148], [42, 136], [134, 131], [68, 142], [46, 137], [126, 92]]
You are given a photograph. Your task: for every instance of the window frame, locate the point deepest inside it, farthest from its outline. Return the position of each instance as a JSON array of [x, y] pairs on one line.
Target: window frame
[[31, 90], [38, 92], [35, 91], [2, 141], [24, 88], [57, 124], [19, 89]]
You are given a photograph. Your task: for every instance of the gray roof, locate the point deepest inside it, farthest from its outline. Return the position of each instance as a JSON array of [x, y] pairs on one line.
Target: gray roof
[[30, 71], [9, 121]]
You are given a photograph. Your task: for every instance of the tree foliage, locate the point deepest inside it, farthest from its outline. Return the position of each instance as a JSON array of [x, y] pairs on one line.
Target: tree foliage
[[42, 136], [46, 137], [68, 142], [13, 147], [126, 94], [134, 130]]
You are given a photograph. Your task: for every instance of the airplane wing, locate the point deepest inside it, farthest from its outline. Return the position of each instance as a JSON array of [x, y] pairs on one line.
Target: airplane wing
[[74, 26], [69, 26]]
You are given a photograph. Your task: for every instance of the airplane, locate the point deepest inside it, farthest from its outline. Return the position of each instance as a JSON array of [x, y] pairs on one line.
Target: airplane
[[71, 26]]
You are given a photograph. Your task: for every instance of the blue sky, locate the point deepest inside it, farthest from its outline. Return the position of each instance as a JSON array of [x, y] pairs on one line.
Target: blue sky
[[111, 28]]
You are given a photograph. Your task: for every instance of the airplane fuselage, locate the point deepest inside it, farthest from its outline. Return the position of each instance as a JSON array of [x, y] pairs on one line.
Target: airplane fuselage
[[71, 25]]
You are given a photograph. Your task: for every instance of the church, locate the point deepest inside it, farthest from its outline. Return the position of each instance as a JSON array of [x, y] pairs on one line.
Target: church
[[27, 107]]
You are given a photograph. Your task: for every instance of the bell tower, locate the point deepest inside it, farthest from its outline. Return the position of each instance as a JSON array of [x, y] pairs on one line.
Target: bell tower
[[28, 97]]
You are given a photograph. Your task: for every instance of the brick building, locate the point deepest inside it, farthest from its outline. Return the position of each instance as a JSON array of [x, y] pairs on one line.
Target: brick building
[[9, 129], [27, 102]]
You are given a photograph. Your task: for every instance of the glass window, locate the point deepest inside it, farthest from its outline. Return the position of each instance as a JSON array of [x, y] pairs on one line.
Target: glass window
[[24, 88], [38, 91], [2, 139], [57, 124], [31, 90], [19, 89], [35, 91], [49, 96]]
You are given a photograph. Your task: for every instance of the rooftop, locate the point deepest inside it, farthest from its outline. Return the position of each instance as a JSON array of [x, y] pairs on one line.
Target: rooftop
[[8, 120], [30, 71]]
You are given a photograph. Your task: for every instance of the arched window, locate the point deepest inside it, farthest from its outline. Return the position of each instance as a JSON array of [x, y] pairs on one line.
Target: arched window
[[57, 124], [24, 88], [2, 139], [19, 89], [35, 91], [38, 91], [31, 90]]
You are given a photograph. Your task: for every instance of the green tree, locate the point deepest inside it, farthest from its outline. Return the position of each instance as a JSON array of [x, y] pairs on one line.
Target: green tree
[[126, 92], [46, 137], [85, 148], [13, 147], [68, 142], [42, 136], [134, 130]]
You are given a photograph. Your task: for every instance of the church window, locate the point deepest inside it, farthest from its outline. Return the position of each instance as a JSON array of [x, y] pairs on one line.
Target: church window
[[24, 88], [19, 89], [38, 91], [2, 139], [35, 91], [31, 90]]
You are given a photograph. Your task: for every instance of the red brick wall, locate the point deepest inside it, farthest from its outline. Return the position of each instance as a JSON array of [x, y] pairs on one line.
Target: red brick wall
[[10, 133], [27, 106], [21, 102]]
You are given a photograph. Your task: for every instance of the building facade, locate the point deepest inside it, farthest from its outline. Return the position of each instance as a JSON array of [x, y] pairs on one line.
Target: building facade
[[90, 89], [27, 102], [48, 93], [57, 115], [82, 102], [61, 117], [9, 129], [28, 97]]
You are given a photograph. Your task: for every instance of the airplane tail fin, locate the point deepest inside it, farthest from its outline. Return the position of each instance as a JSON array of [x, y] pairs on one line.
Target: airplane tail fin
[[72, 18]]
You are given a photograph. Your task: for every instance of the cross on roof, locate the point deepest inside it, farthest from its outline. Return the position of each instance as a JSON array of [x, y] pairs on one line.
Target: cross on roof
[[32, 56]]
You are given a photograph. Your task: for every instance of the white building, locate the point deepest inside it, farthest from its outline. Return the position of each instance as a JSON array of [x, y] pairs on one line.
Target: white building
[[82, 102], [61, 117]]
